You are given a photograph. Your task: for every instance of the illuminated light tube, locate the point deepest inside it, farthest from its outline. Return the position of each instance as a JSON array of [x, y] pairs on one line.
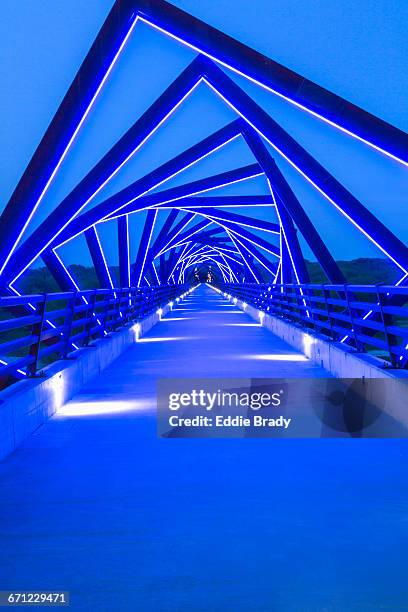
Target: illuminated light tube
[[269, 89], [104, 260], [106, 181], [19, 371], [288, 246], [76, 286], [141, 272], [168, 246], [110, 216], [163, 202], [71, 140], [371, 311], [305, 176], [274, 91], [261, 316], [50, 323]]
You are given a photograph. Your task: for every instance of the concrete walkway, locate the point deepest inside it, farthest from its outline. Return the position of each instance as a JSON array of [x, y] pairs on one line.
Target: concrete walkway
[[94, 503]]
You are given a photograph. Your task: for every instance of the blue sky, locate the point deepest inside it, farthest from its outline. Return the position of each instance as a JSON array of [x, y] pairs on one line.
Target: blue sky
[[358, 50]]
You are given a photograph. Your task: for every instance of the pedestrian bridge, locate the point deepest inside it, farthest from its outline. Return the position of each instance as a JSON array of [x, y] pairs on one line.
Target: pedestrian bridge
[[164, 238], [185, 284]]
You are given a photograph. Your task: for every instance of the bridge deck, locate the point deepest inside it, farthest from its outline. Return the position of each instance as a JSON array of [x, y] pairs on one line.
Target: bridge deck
[[94, 503]]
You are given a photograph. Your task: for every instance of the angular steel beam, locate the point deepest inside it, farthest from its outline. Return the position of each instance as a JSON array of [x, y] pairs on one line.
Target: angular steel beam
[[188, 234], [254, 252], [211, 201], [63, 128], [60, 273], [290, 244], [260, 242], [132, 192], [171, 237], [167, 225], [241, 220], [246, 260], [139, 267], [286, 265], [195, 187], [104, 170], [307, 166], [268, 73], [211, 42], [98, 258], [124, 251]]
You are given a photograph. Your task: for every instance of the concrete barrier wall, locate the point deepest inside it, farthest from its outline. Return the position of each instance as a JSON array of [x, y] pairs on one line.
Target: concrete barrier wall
[[28, 403]]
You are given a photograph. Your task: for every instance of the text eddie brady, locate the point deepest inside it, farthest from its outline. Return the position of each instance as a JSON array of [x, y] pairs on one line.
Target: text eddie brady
[[228, 421]]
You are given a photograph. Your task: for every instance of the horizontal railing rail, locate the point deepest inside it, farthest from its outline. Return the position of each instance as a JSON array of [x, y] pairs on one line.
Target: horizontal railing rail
[[369, 318], [38, 329]]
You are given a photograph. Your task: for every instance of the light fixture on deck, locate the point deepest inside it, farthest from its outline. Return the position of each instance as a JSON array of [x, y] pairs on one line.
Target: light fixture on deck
[[307, 342], [99, 408], [277, 357], [137, 329], [57, 384]]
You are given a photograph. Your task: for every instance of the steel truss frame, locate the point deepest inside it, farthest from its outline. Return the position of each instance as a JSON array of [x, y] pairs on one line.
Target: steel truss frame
[[178, 247]]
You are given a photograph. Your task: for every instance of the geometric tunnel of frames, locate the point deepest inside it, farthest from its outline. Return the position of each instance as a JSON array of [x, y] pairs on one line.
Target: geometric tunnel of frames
[[198, 228]]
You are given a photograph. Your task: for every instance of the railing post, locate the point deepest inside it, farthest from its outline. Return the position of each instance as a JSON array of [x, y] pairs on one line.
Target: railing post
[[90, 317], [359, 345], [132, 303], [289, 297], [386, 319], [310, 306], [138, 303], [68, 326], [326, 294], [118, 319], [37, 328], [107, 318]]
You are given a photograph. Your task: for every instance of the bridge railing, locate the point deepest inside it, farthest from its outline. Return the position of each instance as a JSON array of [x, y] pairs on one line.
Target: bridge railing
[[38, 329], [370, 318]]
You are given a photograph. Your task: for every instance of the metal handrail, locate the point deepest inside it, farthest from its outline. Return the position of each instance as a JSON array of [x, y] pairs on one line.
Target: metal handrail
[[369, 318], [36, 330]]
